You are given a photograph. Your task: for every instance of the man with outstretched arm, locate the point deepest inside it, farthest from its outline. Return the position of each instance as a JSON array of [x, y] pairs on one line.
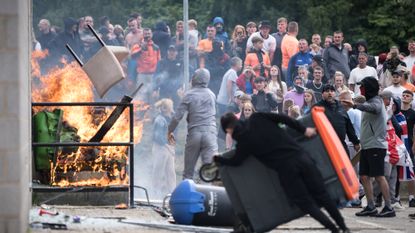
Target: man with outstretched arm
[[374, 146]]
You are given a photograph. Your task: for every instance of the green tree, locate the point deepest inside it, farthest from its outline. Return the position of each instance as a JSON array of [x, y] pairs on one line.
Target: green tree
[[380, 22], [389, 23]]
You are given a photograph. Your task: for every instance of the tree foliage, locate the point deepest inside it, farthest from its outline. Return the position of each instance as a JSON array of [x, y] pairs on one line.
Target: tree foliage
[[381, 22]]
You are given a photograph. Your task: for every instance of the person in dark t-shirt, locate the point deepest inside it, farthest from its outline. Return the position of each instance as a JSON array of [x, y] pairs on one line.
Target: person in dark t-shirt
[[407, 98]]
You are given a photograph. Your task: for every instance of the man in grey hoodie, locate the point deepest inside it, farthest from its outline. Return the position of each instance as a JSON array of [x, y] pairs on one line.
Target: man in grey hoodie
[[374, 146], [201, 139]]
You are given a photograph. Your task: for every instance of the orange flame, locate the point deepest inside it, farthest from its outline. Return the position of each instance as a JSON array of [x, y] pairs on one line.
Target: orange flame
[[71, 84], [36, 57]]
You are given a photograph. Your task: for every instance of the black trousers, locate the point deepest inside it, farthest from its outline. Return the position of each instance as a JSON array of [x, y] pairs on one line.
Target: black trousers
[[304, 186]]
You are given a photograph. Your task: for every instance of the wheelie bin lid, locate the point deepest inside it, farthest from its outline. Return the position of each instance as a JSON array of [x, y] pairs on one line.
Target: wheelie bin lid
[[185, 202]]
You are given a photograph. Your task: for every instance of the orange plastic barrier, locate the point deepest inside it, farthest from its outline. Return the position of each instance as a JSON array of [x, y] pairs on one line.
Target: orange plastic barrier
[[338, 155]]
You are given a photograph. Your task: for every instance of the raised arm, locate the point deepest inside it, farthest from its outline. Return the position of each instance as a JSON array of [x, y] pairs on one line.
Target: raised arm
[[369, 107]]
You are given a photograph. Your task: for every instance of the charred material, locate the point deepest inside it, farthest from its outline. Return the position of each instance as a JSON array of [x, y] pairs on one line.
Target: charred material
[[113, 117]]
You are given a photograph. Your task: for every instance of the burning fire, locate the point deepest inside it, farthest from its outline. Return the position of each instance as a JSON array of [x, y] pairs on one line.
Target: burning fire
[[106, 165], [36, 56]]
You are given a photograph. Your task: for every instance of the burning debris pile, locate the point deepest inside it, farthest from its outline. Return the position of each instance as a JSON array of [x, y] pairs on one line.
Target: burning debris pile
[[75, 165]]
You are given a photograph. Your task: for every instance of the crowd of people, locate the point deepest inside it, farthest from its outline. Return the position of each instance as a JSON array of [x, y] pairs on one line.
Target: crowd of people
[[368, 99]]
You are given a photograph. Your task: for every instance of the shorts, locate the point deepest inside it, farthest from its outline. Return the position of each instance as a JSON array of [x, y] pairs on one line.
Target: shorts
[[372, 162]]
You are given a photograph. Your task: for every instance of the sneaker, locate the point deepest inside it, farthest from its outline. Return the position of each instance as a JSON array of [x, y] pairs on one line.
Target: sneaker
[[356, 203], [386, 212], [344, 205], [367, 211], [398, 206], [412, 216], [412, 202]]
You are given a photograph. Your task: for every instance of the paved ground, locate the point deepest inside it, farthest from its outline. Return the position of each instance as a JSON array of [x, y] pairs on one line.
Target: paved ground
[[144, 219]]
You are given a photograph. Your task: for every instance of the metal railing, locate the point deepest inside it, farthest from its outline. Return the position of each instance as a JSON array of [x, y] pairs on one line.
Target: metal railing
[[130, 144]]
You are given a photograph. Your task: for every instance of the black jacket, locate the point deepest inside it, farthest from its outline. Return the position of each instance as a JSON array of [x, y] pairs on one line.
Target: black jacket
[[353, 60], [68, 37], [169, 76], [264, 102], [162, 38], [262, 136], [340, 121], [46, 39]]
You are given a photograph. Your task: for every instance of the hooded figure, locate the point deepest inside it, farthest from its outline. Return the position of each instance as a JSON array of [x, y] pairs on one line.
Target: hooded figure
[[221, 34], [201, 78], [369, 87], [218, 23], [162, 38], [217, 62], [361, 46], [69, 36], [374, 117], [374, 146], [200, 104]]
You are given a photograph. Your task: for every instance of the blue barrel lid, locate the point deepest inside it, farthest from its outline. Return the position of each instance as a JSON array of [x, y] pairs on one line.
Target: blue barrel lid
[[185, 201]]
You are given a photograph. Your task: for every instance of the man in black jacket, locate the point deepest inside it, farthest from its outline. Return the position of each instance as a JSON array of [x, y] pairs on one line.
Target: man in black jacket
[[263, 100], [338, 117], [299, 177], [169, 76], [46, 35], [69, 36]]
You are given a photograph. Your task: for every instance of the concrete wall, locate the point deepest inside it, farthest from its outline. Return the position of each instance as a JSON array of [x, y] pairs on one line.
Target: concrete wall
[[14, 116]]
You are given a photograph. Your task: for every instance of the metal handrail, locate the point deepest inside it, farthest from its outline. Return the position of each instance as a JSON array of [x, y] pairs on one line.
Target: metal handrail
[[130, 144]]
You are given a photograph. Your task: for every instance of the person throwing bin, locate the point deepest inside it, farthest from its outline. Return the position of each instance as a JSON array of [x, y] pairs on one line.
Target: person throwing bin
[[298, 174]]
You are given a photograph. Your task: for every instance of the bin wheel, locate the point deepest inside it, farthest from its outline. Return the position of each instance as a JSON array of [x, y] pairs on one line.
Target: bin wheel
[[209, 172]]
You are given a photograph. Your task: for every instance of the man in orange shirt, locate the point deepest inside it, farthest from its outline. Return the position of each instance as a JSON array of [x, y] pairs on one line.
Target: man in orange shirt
[[405, 80], [258, 59], [147, 55], [205, 45], [289, 46]]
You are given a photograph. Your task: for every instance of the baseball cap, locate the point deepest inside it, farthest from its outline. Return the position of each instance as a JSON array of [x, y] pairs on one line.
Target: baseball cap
[[265, 23], [328, 87]]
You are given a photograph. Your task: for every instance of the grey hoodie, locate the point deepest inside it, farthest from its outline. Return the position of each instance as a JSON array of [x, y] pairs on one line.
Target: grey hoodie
[[373, 129], [199, 102], [374, 117]]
